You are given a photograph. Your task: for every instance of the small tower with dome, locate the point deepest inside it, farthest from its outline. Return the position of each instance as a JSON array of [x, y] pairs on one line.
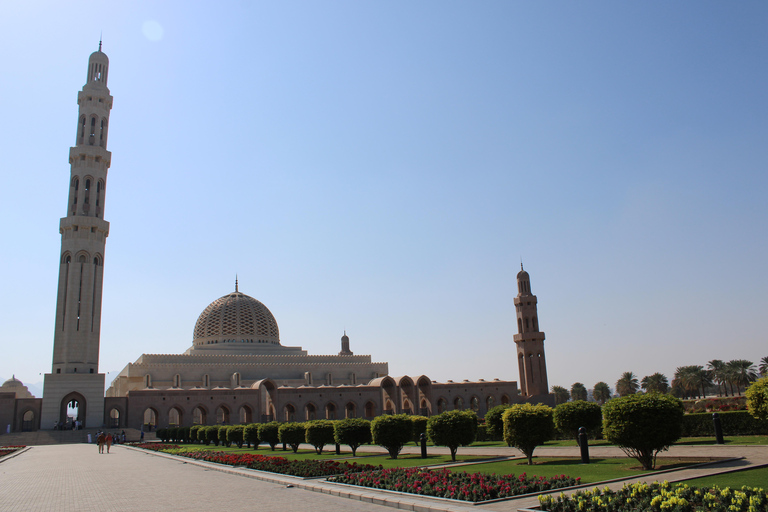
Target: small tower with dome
[[345, 345]]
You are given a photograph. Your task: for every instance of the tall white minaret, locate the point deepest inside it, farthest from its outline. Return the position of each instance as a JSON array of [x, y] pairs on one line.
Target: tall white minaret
[[75, 371], [529, 340]]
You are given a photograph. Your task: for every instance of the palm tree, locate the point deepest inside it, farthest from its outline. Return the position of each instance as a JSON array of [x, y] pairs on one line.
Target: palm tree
[[601, 393], [717, 369], [656, 383], [578, 391], [561, 394], [743, 373], [689, 379], [627, 384], [764, 366]]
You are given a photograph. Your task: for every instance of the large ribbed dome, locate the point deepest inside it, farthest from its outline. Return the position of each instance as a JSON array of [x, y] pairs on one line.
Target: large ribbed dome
[[236, 318]]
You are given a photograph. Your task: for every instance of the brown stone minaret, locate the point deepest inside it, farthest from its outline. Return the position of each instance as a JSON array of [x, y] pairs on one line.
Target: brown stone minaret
[[75, 377], [529, 340]]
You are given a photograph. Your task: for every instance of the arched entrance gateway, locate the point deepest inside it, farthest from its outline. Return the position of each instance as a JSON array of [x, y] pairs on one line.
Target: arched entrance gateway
[[73, 409]]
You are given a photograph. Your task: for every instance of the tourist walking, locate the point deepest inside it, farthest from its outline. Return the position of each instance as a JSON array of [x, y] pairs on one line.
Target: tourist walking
[[100, 440], [109, 441]]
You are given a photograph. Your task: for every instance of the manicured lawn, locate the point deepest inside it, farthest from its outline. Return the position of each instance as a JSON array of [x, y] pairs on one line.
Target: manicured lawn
[[597, 471], [750, 478]]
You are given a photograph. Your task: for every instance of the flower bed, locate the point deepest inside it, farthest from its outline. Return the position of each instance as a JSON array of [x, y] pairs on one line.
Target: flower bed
[[5, 450], [458, 486], [656, 497], [301, 468]]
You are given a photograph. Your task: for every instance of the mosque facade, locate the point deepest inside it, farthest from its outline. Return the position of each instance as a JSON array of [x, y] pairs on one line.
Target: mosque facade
[[236, 370]]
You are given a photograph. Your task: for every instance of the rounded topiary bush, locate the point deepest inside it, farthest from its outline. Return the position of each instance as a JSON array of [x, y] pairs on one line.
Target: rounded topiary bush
[[392, 432], [353, 432], [319, 433], [493, 422], [222, 435], [292, 434], [269, 433], [212, 435], [453, 429], [235, 435], [757, 399], [643, 425], [419, 427], [251, 435], [193, 433], [527, 426], [570, 416]]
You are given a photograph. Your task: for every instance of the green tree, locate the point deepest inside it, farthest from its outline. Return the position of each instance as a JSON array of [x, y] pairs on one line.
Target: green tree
[[193, 433], [251, 435], [627, 384], [452, 429], [757, 399], [419, 427], [571, 416], [493, 422], [655, 383], [212, 435], [643, 425], [578, 391], [561, 394], [764, 366], [392, 432], [292, 434], [319, 433], [527, 426], [270, 433], [222, 435], [353, 432], [718, 371], [235, 435], [743, 373], [601, 393]]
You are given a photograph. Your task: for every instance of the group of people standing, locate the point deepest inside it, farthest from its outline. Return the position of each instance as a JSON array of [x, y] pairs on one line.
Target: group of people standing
[[106, 439]]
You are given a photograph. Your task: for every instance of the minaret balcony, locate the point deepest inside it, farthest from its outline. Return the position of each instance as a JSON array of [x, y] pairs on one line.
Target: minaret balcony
[[84, 224]]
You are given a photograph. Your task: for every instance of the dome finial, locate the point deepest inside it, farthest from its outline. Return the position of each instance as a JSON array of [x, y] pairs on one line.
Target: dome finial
[[236, 290], [100, 34], [521, 263]]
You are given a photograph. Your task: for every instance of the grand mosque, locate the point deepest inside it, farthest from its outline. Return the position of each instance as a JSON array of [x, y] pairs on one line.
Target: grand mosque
[[236, 370]]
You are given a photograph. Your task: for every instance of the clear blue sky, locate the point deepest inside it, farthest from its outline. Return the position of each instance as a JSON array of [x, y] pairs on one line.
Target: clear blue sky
[[382, 167]]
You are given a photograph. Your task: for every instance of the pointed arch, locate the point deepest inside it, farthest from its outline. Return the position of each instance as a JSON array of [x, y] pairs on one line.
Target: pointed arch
[[289, 412], [330, 411], [200, 415], [310, 411]]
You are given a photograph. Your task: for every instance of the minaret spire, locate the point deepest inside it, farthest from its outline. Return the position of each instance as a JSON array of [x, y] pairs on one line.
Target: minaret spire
[[529, 340], [75, 370]]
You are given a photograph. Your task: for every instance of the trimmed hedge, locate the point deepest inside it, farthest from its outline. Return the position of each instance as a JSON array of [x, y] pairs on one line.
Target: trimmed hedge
[[251, 435], [734, 423], [269, 433], [319, 433], [235, 435], [419, 427]]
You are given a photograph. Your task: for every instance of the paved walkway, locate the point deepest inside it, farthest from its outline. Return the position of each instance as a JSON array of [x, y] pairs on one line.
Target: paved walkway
[[77, 478]]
